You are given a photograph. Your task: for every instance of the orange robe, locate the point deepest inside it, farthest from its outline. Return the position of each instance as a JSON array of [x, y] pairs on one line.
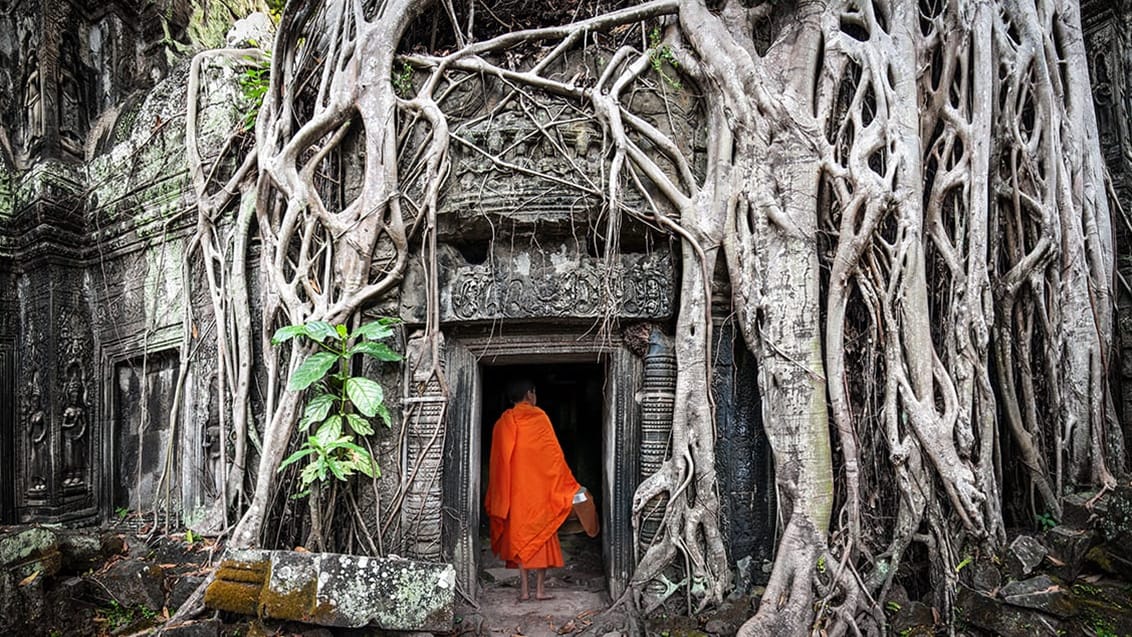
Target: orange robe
[[530, 489]]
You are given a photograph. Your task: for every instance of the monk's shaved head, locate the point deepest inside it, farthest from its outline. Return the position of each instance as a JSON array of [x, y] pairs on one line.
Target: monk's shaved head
[[517, 389]]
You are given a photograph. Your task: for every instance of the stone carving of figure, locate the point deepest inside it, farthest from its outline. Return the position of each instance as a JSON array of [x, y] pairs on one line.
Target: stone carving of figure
[[70, 96], [33, 105], [74, 426], [210, 441], [37, 434], [1102, 98]]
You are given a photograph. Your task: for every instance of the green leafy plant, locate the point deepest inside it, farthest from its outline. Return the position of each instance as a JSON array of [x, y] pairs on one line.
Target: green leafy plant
[[116, 615], [661, 55], [341, 404], [1102, 628], [254, 82], [1045, 521], [964, 563], [403, 80], [190, 537], [121, 512]]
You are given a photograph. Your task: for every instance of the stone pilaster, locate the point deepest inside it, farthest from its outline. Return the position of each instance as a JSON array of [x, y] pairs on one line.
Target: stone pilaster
[[55, 425], [424, 414], [656, 399]]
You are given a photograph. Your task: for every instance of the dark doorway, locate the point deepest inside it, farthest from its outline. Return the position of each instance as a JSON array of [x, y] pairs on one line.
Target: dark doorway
[[572, 396], [144, 389]]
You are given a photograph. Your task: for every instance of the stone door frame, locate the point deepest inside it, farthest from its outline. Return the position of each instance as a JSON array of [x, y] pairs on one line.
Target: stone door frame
[[621, 423], [111, 354]]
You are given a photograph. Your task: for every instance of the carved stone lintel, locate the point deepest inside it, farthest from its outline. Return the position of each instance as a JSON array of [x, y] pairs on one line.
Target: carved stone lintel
[[549, 282]]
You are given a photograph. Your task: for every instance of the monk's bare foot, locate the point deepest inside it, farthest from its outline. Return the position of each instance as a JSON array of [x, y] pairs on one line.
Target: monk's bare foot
[[524, 599]]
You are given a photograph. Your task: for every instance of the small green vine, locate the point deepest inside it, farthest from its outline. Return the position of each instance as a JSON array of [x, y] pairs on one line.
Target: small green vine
[[1045, 521], [403, 80], [254, 82], [342, 404], [661, 55]]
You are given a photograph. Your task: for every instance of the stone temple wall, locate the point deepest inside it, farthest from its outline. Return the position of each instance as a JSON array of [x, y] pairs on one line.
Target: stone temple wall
[[93, 263]]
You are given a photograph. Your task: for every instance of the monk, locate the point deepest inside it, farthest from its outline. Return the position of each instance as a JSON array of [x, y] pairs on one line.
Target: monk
[[530, 489]]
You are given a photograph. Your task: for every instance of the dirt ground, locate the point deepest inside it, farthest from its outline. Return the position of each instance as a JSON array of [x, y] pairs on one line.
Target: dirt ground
[[580, 597]]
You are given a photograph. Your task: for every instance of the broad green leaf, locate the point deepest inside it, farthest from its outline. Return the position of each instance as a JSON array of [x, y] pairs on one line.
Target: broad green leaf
[[342, 331], [354, 447], [360, 425], [316, 410], [321, 330], [343, 442], [365, 464], [311, 370], [295, 457], [330, 430], [285, 334], [365, 394], [311, 473], [380, 351], [374, 330], [335, 467], [383, 411]]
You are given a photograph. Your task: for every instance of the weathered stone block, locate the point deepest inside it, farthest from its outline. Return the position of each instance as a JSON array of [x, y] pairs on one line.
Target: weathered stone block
[[1040, 593], [914, 618], [85, 549], [987, 613], [136, 581], [30, 550], [1024, 555], [1067, 550], [331, 589], [201, 628], [985, 577], [180, 591]]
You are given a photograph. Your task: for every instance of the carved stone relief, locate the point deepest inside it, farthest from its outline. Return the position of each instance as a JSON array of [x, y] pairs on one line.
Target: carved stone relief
[[34, 437], [56, 428], [656, 399], [423, 412], [74, 379], [548, 282], [8, 415], [34, 419], [74, 425]]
